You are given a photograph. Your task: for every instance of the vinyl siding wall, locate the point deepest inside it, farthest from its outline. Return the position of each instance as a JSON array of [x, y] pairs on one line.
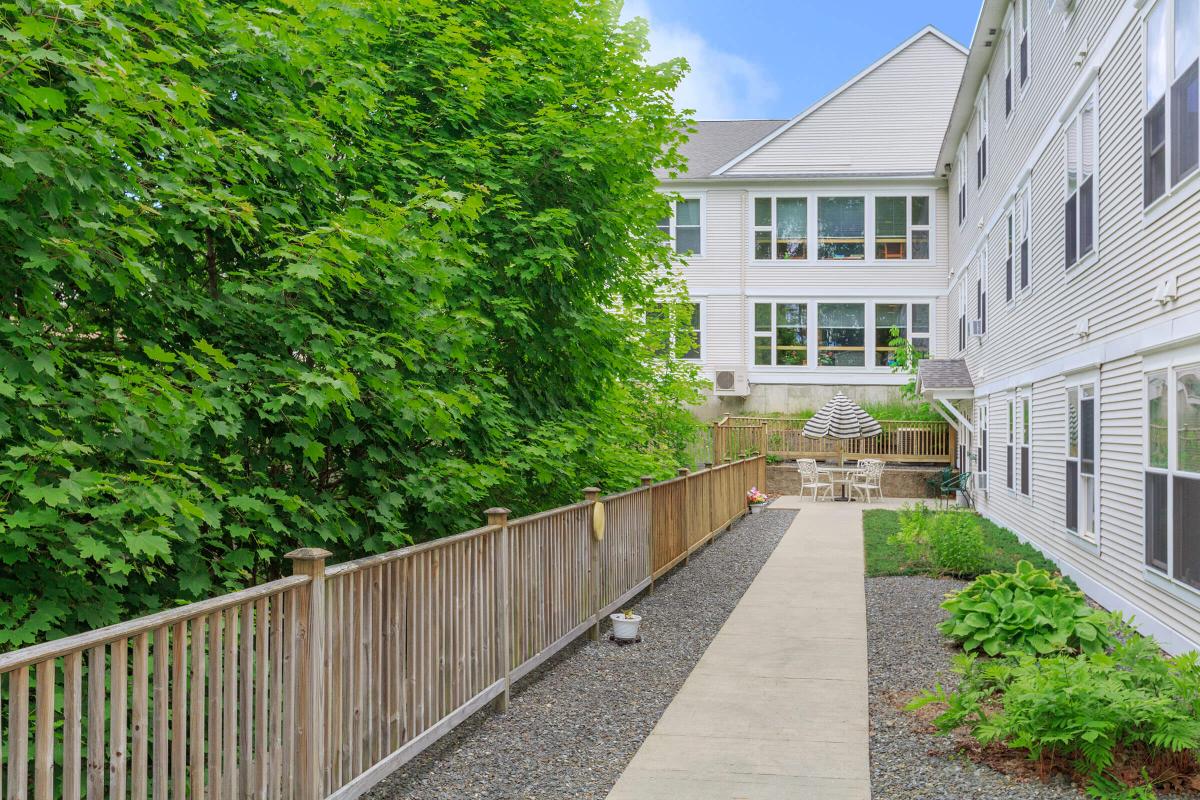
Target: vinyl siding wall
[[1035, 335]]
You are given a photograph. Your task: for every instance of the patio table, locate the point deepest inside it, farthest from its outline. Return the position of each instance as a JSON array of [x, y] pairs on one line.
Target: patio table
[[843, 476]]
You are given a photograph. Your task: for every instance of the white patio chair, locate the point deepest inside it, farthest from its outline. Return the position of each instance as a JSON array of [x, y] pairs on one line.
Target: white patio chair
[[812, 478], [869, 479]]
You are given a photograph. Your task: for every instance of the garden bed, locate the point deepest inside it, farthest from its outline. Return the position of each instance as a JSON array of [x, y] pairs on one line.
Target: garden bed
[[576, 722]]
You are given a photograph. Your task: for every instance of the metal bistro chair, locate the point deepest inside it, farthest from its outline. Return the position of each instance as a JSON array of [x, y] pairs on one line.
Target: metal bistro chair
[[869, 479], [813, 478], [960, 483]]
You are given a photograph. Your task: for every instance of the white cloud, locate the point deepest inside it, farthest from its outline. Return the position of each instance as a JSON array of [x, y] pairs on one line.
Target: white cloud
[[718, 85]]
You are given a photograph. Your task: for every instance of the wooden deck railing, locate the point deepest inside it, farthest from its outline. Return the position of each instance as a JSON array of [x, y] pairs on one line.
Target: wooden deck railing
[[902, 441], [320, 684]]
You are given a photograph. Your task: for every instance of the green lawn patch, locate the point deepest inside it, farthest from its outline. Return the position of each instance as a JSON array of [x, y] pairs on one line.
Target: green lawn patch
[[1004, 550]]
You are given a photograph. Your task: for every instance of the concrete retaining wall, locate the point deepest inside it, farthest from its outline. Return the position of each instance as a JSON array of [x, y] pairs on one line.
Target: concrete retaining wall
[[897, 481]]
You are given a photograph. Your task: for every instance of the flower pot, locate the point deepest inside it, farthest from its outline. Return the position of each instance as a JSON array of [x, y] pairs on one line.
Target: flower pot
[[625, 627], [755, 508]]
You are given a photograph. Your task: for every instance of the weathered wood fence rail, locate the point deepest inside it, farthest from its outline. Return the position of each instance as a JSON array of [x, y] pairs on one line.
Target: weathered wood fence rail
[[902, 441], [320, 684]]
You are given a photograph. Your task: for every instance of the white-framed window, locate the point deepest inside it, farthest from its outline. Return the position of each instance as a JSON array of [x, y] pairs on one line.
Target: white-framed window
[[1079, 207], [1172, 469], [1011, 445], [981, 448], [981, 134], [1023, 55], [962, 315], [1082, 459], [684, 326], [1010, 60], [780, 228], [1171, 116], [960, 171], [843, 227], [684, 228], [1022, 229], [836, 333], [981, 289], [1010, 241], [1025, 443]]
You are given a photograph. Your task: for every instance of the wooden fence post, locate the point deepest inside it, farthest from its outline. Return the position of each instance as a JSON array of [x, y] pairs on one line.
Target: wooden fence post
[[499, 518], [683, 518], [648, 480], [590, 494], [310, 675], [719, 435]]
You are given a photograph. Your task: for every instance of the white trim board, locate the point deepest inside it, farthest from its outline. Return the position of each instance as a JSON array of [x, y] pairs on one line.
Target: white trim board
[[928, 29]]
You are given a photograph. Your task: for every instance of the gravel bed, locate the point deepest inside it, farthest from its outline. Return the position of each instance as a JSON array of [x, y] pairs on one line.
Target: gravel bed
[[576, 722], [906, 655]]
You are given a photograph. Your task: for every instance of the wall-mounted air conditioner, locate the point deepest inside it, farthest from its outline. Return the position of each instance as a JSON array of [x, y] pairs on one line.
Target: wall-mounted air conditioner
[[981, 482], [731, 382], [975, 327]]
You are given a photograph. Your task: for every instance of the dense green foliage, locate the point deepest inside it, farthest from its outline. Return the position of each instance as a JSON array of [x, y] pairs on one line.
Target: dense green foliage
[[956, 545], [332, 273], [1127, 717], [891, 551], [1027, 610]]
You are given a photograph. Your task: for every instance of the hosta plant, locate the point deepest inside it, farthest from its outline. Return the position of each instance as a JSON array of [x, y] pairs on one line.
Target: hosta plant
[[1028, 610]]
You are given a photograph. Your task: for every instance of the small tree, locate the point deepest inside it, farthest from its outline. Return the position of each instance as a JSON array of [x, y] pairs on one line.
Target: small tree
[[904, 359]]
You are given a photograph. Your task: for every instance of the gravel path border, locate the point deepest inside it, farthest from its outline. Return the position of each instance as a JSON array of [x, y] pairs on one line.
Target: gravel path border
[[575, 723]]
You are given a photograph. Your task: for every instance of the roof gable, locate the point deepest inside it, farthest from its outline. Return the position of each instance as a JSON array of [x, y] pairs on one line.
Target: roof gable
[[712, 143], [890, 118]]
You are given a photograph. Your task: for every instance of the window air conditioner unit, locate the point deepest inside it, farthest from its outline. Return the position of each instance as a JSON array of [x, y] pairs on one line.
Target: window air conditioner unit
[[731, 382], [975, 327], [981, 482]]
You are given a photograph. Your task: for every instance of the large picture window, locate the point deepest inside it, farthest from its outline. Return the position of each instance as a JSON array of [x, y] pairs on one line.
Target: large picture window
[[1172, 495], [1171, 119], [684, 228], [1083, 433], [780, 228], [781, 334], [841, 334], [1080, 206], [841, 229]]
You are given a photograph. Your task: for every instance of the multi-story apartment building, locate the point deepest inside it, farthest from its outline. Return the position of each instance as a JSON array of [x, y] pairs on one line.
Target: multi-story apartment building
[[1062, 285]]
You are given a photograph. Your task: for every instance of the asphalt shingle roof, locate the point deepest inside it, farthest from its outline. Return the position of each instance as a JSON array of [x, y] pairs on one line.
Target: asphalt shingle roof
[[717, 142], [944, 373]]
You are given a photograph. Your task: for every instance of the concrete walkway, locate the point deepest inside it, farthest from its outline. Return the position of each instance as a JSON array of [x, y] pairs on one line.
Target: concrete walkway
[[777, 706]]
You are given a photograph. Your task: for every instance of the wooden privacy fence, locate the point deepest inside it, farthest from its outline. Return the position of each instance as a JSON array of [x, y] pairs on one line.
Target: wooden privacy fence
[[736, 438], [320, 684], [902, 441]]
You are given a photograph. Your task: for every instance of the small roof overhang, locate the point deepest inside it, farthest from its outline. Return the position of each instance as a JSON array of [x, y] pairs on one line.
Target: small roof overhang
[[944, 379]]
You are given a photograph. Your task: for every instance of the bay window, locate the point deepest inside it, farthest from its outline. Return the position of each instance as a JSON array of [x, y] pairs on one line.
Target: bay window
[[841, 334], [1080, 206], [1082, 498], [841, 229], [684, 227], [1171, 116], [780, 228], [781, 334], [1172, 472]]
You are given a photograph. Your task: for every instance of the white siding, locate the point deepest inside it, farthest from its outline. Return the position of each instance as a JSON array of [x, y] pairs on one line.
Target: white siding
[[890, 120]]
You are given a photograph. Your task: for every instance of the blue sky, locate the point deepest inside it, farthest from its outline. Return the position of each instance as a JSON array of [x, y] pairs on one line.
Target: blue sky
[[774, 58]]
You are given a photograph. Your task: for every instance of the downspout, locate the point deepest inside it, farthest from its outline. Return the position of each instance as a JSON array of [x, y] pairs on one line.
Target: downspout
[[742, 267]]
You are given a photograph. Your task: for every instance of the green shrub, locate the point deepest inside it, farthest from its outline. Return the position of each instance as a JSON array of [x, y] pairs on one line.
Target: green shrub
[[1028, 611], [1089, 710], [956, 544], [913, 533]]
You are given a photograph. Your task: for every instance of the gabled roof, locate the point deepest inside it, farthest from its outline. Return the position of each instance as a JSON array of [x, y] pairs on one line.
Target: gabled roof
[[714, 142], [781, 129], [943, 374]]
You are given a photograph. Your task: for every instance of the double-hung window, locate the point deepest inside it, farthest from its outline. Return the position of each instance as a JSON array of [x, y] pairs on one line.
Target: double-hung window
[[1083, 436], [684, 228], [962, 315], [1009, 242], [841, 334], [981, 290], [780, 228], [981, 450], [1023, 11], [1025, 442], [1171, 119], [841, 228], [1011, 445], [960, 170], [1009, 60], [911, 321], [902, 227], [1172, 493], [981, 134], [1079, 209], [1024, 223]]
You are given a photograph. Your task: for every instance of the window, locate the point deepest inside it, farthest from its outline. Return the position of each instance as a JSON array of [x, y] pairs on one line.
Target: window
[[1024, 223], [1171, 117], [1080, 206], [1082, 499], [1023, 42], [1009, 241], [1009, 58], [841, 229], [1011, 446], [684, 228], [981, 134], [841, 335], [981, 290], [902, 227], [911, 322], [918, 231], [1025, 442], [1173, 472], [780, 228], [962, 316], [981, 449], [960, 170], [678, 319], [781, 334]]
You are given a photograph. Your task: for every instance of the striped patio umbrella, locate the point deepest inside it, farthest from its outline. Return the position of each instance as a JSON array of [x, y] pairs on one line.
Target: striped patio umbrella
[[841, 418]]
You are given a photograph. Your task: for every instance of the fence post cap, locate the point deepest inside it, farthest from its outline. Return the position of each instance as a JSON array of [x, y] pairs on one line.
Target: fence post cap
[[684, 470], [647, 480], [309, 554], [591, 492], [497, 515]]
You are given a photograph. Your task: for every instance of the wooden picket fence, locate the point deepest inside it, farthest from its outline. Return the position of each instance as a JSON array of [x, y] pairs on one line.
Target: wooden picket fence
[[320, 684], [902, 441]]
